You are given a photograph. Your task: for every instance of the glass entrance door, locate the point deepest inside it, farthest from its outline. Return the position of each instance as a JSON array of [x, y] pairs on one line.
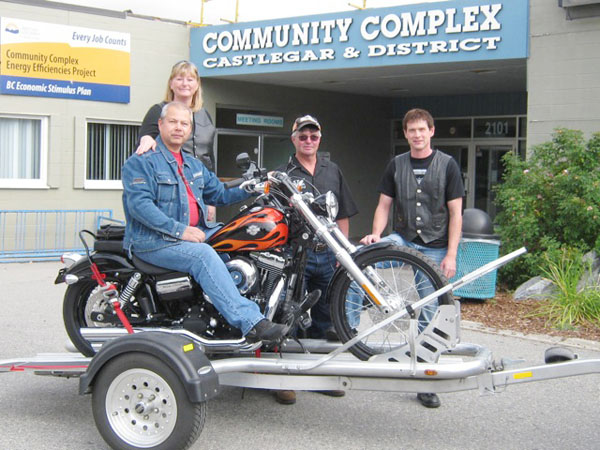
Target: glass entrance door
[[229, 145], [269, 151], [489, 169], [275, 151]]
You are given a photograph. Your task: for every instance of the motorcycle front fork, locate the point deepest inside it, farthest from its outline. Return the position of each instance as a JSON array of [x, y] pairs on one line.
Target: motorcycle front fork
[[328, 231], [371, 283]]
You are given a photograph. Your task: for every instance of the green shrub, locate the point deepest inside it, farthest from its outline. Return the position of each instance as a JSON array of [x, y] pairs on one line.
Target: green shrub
[[549, 201], [569, 307]]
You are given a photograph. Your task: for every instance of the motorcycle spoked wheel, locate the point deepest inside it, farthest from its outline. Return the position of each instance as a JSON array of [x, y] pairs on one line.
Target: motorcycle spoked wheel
[[80, 300], [138, 401], [407, 273]]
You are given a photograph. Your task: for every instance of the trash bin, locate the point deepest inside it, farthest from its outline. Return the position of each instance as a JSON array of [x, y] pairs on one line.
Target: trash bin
[[478, 246]]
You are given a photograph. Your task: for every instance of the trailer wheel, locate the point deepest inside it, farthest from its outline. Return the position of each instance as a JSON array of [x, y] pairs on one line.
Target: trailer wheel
[[140, 402], [558, 354]]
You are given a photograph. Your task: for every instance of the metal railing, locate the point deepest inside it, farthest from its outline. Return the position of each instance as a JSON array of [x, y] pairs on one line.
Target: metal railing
[[44, 235]]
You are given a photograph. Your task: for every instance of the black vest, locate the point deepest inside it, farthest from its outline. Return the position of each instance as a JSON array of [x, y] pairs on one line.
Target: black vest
[[200, 143], [421, 209]]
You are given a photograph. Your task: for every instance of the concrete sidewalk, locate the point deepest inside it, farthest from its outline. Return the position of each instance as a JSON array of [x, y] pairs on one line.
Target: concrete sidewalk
[[542, 338]]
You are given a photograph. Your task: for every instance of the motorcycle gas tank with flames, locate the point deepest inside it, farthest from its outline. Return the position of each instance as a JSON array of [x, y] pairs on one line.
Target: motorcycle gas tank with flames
[[255, 228]]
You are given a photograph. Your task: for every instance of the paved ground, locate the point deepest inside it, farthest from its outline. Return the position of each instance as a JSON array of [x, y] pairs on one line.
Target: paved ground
[[46, 413]]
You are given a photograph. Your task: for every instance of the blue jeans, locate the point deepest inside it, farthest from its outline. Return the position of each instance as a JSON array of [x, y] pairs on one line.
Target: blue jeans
[[355, 295], [210, 272], [424, 287], [317, 275]]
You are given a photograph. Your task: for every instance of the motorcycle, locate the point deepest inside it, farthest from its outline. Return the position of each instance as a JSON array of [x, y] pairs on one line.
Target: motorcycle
[[265, 248]]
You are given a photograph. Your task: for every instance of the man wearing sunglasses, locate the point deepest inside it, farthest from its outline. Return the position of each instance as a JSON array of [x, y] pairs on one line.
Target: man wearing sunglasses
[[320, 175]]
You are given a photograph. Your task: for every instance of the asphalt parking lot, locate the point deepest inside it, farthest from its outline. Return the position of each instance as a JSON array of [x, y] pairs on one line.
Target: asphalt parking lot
[[46, 413]]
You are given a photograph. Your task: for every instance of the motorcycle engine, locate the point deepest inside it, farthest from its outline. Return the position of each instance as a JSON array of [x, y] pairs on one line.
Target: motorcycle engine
[[255, 276], [244, 274]]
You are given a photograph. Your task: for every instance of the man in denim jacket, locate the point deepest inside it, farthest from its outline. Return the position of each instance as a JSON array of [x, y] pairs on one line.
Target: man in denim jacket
[[164, 197]]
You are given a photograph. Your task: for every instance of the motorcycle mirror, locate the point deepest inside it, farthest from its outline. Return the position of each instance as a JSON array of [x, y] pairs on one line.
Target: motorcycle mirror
[[243, 161]]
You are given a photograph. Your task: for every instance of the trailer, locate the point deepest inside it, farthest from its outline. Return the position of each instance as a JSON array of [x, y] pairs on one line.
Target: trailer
[[150, 388]]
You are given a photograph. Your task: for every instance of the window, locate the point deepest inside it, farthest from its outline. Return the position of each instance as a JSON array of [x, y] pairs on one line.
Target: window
[[23, 150], [578, 9], [108, 146]]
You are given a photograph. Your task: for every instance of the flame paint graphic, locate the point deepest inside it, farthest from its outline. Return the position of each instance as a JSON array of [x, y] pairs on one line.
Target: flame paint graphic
[[234, 237]]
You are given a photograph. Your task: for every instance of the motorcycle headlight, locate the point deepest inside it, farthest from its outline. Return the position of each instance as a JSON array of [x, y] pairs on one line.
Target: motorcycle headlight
[[332, 205], [326, 205]]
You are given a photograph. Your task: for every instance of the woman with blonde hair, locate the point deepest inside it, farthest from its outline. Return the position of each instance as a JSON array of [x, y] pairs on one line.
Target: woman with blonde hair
[[184, 86]]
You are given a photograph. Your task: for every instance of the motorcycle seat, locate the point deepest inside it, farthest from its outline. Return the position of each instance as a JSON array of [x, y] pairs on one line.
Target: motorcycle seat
[[110, 247], [148, 268]]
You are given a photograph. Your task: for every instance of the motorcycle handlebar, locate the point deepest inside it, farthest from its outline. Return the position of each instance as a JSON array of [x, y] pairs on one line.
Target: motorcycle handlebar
[[252, 173], [233, 183], [279, 177]]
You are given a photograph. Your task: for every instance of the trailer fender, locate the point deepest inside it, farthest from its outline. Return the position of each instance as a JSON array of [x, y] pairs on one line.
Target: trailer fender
[[181, 354]]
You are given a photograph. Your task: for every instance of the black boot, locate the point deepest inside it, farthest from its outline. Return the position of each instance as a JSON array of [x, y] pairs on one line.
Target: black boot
[[429, 400], [265, 330]]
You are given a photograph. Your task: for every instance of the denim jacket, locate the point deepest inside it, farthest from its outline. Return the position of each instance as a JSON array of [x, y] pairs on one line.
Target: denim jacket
[[155, 198]]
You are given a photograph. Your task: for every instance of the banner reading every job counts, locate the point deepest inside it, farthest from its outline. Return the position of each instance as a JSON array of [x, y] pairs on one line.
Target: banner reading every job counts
[[50, 60]]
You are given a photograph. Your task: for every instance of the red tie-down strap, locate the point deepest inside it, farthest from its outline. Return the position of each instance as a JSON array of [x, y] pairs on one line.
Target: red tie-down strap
[[97, 275], [121, 315], [112, 294]]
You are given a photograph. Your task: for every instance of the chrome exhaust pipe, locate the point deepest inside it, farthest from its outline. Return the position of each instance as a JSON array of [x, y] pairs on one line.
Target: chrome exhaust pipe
[[97, 337]]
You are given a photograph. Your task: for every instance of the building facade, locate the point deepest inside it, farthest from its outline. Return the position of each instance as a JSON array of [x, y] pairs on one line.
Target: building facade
[[497, 77]]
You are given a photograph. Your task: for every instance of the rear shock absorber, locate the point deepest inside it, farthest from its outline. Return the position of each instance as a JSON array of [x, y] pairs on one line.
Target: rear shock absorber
[[130, 289]]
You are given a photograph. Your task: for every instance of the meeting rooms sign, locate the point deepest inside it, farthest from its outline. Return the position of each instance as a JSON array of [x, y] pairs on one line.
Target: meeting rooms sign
[[451, 31]]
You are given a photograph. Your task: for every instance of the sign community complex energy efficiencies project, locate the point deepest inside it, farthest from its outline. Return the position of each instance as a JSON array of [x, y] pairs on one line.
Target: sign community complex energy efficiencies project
[[51, 60]]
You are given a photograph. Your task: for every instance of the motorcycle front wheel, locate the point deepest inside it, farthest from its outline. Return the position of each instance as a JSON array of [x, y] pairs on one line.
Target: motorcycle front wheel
[[403, 276]]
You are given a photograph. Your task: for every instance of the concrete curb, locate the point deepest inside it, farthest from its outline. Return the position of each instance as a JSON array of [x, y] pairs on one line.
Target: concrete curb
[[555, 340]]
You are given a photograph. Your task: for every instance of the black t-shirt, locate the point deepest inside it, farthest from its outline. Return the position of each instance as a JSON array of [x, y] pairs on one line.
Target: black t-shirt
[[327, 177], [454, 184]]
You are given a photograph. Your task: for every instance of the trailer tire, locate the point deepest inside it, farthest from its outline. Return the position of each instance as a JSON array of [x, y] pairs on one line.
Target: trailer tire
[[138, 401], [558, 354]]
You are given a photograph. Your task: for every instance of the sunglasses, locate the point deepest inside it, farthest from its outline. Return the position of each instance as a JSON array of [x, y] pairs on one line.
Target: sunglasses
[[312, 137]]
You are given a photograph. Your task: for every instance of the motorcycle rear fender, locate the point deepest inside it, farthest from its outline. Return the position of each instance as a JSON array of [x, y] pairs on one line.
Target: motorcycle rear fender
[[181, 354], [360, 253], [106, 262]]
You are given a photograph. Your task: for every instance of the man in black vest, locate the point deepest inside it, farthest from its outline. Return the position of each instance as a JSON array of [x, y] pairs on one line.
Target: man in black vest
[[425, 186]]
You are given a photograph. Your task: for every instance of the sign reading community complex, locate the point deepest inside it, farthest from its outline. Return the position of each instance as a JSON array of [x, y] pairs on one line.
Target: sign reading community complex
[[50, 60], [460, 30]]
